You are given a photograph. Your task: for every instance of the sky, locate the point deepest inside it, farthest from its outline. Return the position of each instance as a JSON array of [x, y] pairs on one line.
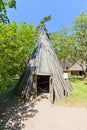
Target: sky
[[62, 11]]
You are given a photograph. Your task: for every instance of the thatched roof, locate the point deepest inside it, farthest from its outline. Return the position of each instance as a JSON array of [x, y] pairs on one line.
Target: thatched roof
[[43, 62], [78, 67]]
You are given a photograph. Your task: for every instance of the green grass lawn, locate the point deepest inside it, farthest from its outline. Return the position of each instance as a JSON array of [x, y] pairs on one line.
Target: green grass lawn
[[78, 97]]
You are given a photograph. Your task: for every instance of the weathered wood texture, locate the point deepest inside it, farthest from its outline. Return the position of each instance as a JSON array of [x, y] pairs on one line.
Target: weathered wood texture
[[44, 61]]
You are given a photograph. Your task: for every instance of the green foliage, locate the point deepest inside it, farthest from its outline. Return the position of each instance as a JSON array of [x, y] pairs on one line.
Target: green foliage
[[71, 47], [3, 9], [80, 34], [42, 22], [63, 45], [16, 45]]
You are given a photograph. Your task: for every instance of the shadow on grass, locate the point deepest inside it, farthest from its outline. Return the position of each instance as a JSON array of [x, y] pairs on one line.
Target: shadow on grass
[[14, 112], [75, 79], [85, 83]]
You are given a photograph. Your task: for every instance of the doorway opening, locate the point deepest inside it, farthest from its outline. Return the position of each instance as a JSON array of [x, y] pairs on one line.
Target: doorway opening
[[42, 84], [80, 73]]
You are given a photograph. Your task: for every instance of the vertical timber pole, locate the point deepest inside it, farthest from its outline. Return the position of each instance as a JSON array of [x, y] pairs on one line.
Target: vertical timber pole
[[35, 86], [51, 88]]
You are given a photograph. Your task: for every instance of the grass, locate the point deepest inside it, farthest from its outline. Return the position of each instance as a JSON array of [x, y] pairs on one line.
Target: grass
[[78, 97]]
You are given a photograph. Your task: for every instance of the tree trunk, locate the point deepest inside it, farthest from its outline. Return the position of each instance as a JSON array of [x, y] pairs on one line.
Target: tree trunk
[[86, 70]]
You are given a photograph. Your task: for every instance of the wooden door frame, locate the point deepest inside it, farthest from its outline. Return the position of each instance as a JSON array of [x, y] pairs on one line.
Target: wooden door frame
[[50, 85], [51, 88]]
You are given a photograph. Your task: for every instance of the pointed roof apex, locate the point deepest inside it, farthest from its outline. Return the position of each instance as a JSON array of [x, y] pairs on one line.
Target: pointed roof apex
[[43, 38]]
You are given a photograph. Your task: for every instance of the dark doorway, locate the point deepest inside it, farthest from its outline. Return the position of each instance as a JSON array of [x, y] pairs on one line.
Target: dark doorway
[[42, 84], [80, 73]]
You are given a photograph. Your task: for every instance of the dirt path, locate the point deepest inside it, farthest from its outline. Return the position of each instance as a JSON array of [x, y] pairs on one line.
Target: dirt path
[[40, 115], [51, 117]]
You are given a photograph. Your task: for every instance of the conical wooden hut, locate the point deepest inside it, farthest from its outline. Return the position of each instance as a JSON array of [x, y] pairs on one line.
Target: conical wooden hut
[[43, 73]]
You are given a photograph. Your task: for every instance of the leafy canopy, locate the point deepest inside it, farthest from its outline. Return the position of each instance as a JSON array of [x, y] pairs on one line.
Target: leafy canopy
[[3, 9]]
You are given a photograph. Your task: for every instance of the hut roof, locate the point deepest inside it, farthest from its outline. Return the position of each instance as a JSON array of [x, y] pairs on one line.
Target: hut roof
[[44, 58], [78, 67]]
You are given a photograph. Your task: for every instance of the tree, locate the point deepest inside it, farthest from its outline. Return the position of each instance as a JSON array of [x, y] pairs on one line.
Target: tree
[[3, 9], [16, 45], [63, 44], [80, 34]]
